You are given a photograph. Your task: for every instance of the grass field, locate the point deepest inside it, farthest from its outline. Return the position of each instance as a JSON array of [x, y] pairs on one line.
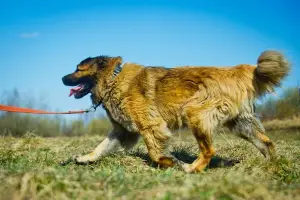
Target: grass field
[[29, 169]]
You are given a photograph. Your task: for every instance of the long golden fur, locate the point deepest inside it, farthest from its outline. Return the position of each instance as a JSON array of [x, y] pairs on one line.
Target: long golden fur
[[151, 102]]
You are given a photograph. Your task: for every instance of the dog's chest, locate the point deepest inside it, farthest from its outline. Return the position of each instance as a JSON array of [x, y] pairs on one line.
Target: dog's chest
[[118, 113]]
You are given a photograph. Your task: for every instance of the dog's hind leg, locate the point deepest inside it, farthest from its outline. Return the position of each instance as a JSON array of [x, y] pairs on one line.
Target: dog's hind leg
[[203, 135], [203, 119], [248, 127], [117, 139]]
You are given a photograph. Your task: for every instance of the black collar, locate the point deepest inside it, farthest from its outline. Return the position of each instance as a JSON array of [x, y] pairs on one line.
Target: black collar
[[117, 70]]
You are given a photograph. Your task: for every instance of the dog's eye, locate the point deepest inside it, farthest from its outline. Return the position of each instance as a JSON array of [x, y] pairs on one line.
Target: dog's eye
[[83, 67]]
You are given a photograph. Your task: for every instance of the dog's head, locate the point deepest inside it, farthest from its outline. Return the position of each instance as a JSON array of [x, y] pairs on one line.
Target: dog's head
[[89, 72]]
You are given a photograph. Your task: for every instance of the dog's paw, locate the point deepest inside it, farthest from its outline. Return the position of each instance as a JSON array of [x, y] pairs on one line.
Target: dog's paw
[[187, 168], [79, 160], [82, 160], [74, 159]]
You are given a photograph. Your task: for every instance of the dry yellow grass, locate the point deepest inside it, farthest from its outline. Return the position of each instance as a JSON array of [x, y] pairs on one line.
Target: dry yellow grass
[[286, 124]]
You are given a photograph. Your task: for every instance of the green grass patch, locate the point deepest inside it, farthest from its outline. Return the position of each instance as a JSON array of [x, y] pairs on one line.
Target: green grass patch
[[29, 169]]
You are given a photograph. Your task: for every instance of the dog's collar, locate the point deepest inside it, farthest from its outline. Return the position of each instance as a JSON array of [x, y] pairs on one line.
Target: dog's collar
[[117, 70]]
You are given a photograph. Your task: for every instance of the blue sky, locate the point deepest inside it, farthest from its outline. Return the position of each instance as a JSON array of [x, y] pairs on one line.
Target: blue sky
[[40, 41]]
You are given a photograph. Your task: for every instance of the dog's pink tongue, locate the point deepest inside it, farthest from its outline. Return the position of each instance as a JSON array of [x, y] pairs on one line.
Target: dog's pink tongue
[[75, 89]]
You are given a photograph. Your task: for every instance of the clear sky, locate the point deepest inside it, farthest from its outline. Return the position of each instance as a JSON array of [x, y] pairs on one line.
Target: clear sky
[[40, 41]]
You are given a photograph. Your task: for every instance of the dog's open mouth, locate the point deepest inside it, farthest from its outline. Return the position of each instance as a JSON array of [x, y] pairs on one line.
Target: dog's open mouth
[[80, 91]]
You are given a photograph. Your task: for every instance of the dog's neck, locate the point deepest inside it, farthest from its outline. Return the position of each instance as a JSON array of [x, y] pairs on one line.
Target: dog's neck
[[104, 87]]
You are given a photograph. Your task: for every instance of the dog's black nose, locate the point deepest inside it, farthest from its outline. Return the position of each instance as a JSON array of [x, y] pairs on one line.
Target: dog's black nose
[[64, 80], [69, 80]]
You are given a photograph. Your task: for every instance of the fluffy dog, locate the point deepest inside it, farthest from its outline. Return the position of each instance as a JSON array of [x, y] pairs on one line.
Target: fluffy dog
[[150, 102]]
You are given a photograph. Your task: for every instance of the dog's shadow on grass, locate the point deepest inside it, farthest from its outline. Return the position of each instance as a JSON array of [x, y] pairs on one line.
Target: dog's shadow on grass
[[181, 154]]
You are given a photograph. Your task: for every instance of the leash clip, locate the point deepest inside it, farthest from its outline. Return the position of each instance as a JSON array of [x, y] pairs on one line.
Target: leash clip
[[92, 108]]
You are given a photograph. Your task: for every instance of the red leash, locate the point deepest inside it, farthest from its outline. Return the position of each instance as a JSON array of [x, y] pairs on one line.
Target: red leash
[[33, 111]]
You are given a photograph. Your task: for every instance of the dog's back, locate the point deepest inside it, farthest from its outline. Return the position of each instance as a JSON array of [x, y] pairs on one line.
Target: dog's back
[[219, 94]]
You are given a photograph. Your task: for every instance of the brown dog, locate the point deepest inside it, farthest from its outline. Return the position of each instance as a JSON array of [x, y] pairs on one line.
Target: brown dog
[[152, 101]]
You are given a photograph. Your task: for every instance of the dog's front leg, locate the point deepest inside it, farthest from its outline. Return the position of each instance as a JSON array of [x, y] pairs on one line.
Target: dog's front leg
[[108, 145], [119, 138]]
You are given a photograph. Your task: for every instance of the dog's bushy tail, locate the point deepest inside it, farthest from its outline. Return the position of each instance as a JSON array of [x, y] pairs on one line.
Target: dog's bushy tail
[[271, 68]]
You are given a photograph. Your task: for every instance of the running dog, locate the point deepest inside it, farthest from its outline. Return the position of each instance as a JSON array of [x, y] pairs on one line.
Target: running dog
[[151, 102]]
